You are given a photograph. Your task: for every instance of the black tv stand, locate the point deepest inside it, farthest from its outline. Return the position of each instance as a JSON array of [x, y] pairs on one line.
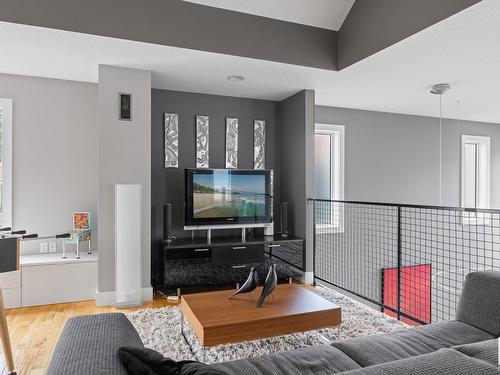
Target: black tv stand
[[198, 262]]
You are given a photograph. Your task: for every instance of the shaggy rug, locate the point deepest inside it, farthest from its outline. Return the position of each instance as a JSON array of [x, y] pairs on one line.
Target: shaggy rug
[[159, 329]]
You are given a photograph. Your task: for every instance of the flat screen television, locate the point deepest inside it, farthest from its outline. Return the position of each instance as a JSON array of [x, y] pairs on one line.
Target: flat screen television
[[227, 196]]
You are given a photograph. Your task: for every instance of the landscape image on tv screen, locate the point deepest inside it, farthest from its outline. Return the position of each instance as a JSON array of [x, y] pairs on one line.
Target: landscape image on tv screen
[[223, 194]]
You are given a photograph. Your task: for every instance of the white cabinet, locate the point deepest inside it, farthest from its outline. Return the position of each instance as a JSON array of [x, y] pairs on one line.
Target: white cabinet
[[10, 282], [58, 283]]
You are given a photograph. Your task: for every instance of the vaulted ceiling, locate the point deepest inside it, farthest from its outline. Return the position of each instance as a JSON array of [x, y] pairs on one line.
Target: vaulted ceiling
[[463, 50], [326, 14]]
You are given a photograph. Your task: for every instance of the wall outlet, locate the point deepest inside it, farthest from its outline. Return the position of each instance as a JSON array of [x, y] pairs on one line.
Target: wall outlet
[[44, 247], [53, 247]]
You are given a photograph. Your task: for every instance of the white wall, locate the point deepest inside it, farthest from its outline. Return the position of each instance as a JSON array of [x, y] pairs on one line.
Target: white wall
[[54, 152], [395, 158], [124, 158]]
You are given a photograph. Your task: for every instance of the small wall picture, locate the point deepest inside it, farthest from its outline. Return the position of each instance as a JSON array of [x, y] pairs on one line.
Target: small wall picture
[[171, 122], [81, 220], [202, 124], [231, 143], [259, 144], [125, 113]]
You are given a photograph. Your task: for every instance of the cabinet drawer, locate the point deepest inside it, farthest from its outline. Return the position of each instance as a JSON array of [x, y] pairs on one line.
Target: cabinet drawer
[[291, 252], [58, 283], [240, 254], [10, 279], [12, 298], [195, 253]]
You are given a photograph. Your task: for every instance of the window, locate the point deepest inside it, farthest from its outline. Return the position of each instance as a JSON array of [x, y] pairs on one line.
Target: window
[[329, 175], [475, 187], [5, 162]]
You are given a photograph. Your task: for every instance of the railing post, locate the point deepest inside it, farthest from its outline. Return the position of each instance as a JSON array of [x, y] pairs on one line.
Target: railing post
[[314, 242], [399, 263]]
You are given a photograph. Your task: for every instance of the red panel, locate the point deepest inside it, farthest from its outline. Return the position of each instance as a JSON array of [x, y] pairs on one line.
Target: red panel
[[415, 292]]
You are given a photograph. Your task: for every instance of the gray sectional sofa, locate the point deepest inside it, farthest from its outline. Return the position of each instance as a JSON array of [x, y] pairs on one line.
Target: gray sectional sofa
[[467, 345]]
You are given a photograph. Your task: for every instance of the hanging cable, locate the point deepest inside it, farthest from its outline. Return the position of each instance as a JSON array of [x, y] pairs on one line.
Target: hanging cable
[[440, 148]]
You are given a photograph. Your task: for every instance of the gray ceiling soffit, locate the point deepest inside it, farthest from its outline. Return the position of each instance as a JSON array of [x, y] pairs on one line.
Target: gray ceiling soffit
[[182, 24], [373, 25]]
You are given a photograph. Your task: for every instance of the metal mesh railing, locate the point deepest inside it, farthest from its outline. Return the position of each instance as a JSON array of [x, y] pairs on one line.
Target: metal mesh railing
[[409, 260]]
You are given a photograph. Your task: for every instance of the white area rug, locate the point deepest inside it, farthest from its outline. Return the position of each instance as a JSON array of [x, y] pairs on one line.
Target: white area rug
[[160, 328]]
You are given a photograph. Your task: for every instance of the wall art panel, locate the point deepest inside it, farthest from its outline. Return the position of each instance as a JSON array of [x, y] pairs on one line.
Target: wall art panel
[[202, 127], [231, 143], [171, 140], [259, 144]]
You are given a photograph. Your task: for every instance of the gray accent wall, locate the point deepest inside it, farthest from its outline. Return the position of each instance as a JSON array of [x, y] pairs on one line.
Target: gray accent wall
[[168, 183], [372, 26], [296, 119], [54, 153], [395, 158], [124, 158], [182, 24]]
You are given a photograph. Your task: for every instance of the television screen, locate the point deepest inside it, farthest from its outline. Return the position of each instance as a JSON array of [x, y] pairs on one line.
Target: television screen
[[222, 196]]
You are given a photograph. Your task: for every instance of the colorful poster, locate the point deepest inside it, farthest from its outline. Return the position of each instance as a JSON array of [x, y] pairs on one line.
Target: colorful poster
[[81, 220]]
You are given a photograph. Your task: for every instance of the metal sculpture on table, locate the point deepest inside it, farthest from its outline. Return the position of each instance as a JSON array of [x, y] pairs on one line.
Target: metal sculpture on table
[[249, 285], [269, 285]]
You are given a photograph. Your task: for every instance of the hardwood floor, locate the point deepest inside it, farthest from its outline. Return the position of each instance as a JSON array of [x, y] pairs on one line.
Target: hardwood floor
[[34, 331]]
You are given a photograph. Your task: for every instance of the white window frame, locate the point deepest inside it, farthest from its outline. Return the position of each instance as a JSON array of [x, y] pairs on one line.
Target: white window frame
[[337, 153], [484, 164], [6, 213]]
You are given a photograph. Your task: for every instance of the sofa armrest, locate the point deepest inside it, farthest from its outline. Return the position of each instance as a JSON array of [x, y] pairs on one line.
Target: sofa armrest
[[479, 303], [89, 344]]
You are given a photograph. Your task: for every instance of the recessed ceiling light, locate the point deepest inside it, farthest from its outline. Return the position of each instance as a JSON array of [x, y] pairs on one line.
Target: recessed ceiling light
[[235, 78]]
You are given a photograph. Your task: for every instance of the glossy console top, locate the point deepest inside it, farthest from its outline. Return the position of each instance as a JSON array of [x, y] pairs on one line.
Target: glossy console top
[[228, 241]]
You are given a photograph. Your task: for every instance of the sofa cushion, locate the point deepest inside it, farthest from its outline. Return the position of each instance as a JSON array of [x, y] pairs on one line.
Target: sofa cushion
[[144, 361], [479, 304], [442, 362], [373, 350], [484, 350], [318, 360], [89, 345]]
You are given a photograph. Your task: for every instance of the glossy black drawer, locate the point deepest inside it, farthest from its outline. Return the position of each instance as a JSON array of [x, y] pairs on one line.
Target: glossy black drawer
[[194, 253], [290, 252], [239, 254]]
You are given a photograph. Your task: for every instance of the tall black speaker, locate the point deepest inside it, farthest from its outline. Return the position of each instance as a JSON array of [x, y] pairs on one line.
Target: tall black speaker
[[167, 223], [284, 219]]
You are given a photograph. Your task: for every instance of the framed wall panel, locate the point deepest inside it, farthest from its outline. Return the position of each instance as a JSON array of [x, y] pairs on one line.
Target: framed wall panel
[[171, 140], [231, 143], [202, 141], [259, 144]]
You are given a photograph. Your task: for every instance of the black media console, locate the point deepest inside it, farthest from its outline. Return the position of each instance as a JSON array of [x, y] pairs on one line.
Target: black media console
[[191, 263]]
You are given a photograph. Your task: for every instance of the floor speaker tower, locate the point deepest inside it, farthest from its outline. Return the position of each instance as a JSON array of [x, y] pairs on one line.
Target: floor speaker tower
[[167, 223], [284, 219]]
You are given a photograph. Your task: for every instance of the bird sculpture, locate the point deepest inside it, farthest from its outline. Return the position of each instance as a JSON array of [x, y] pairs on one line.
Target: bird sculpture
[[269, 284], [249, 285]]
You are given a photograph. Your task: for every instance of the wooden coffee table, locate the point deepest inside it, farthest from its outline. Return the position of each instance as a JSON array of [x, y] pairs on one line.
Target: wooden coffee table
[[215, 319]]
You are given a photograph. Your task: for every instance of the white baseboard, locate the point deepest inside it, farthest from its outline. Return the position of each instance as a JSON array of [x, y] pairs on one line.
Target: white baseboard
[[308, 277], [108, 298], [105, 298], [147, 294]]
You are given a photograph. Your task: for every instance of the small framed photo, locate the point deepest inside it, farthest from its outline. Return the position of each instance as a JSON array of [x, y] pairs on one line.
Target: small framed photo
[[81, 220], [125, 105]]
